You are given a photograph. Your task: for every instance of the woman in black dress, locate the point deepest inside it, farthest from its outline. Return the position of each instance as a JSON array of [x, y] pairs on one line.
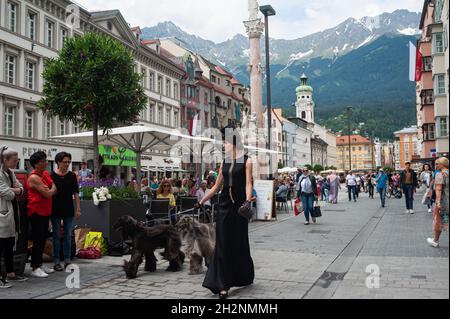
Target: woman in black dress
[[232, 265]]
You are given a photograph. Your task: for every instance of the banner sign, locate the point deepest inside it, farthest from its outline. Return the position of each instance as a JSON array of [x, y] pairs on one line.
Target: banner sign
[[117, 156]]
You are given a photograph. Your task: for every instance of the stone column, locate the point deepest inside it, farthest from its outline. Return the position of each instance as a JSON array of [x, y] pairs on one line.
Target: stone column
[[254, 29]]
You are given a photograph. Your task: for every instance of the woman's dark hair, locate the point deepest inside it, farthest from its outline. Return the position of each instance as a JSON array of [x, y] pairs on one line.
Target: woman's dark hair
[[426, 164], [61, 155], [37, 157], [229, 132]]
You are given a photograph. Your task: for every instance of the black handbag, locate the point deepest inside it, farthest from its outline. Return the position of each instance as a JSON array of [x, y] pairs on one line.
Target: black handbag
[[316, 212], [246, 211]]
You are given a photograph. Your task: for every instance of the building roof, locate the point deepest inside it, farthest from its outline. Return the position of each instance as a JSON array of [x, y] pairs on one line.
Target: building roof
[[222, 71], [355, 139], [145, 42], [407, 130], [137, 29], [105, 13], [234, 81]]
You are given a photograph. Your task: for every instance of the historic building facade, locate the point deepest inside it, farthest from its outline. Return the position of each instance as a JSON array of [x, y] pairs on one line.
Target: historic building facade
[[32, 31]]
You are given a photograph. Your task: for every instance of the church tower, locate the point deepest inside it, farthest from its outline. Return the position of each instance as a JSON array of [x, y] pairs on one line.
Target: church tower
[[305, 104]]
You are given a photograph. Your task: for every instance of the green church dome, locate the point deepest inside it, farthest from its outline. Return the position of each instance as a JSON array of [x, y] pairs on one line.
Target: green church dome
[[304, 87]]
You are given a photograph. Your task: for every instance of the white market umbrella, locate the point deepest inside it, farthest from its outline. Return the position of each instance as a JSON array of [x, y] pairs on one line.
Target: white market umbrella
[[137, 138]]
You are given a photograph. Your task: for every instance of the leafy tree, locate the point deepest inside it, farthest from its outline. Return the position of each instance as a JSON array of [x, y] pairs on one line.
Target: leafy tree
[[309, 167], [92, 83], [388, 169], [317, 168]]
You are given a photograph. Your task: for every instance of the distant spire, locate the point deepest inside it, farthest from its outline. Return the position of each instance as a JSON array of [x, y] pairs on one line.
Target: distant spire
[[304, 79]]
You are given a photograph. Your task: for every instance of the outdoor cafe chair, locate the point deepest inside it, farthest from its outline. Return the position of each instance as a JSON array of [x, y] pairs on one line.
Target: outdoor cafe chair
[[187, 206], [159, 212]]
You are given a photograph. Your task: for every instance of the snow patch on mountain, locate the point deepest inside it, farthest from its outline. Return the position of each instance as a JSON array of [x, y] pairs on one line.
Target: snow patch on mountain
[[300, 55], [295, 57], [366, 41]]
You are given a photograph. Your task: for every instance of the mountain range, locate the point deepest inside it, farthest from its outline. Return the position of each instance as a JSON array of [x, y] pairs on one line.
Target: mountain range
[[361, 63]]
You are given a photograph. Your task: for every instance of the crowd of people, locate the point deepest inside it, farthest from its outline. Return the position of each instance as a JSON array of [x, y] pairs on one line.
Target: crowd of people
[[53, 203], [50, 200], [312, 187], [53, 199]]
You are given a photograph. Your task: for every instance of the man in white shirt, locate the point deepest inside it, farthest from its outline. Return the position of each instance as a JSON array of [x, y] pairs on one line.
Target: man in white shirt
[[351, 186]]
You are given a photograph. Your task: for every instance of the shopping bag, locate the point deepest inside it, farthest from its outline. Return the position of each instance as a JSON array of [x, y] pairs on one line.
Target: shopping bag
[[96, 240], [298, 207], [80, 237], [89, 253], [425, 198], [316, 212]]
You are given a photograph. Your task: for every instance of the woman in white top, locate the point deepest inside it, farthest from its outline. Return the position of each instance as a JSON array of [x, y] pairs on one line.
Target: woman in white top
[[426, 178]]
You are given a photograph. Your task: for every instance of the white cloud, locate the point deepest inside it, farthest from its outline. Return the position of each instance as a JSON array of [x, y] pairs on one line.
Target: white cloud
[[220, 20]]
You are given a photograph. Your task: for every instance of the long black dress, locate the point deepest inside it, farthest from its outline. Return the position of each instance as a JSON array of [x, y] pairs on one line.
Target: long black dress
[[232, 265]]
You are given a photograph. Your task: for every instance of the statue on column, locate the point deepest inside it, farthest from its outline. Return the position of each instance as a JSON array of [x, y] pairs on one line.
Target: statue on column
[[253, 9]]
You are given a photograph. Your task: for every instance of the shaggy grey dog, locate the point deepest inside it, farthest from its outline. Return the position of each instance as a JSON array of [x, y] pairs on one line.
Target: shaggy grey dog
[[200, 240], [145, 241]]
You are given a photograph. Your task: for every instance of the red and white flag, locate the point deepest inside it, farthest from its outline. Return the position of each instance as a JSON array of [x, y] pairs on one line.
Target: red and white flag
[[415, 63], [193, 125]]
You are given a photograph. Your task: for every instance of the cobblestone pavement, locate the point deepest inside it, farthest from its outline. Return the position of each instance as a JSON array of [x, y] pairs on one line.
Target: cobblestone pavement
[[329, 259]]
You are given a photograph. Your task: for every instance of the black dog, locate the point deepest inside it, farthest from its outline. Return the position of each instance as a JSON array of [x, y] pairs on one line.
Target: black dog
[[145, 241]]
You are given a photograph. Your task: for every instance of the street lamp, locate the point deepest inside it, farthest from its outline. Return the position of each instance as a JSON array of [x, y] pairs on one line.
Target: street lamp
[[349, 113], [267, 11]]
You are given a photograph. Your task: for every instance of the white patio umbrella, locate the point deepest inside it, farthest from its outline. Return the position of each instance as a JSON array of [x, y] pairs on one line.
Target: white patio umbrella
[[137, 138]]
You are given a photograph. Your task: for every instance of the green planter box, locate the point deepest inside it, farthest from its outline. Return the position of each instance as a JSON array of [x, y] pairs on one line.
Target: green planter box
[[102, 217]]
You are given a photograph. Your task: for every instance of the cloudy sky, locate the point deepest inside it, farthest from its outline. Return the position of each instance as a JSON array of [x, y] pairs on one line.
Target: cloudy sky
[[219, 20]]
